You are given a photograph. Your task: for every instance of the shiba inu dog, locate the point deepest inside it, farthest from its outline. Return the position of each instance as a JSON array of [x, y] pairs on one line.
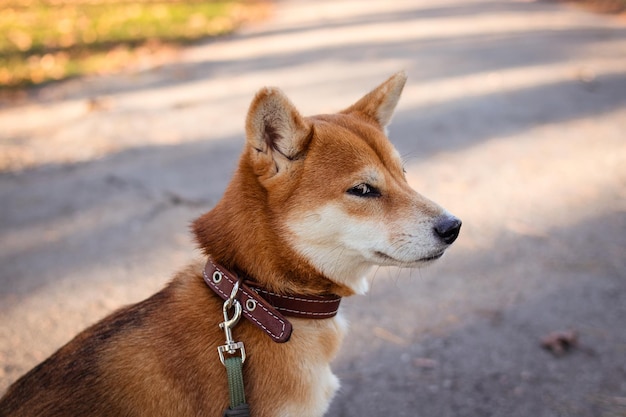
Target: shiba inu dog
[[314, 204]]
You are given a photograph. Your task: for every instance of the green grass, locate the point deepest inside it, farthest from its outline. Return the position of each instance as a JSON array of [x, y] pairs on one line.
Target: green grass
[[42, 40]]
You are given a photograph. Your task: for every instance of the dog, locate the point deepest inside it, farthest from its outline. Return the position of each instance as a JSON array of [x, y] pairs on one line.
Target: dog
[[314, 204]]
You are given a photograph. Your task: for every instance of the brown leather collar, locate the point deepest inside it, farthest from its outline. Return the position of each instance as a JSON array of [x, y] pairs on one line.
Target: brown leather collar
[[267, 309]]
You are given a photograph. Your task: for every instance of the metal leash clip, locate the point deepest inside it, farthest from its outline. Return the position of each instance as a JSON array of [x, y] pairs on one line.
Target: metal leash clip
[[231, 346]]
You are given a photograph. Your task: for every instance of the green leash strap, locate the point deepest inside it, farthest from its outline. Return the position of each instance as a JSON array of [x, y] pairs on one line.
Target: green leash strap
[[235, 381], [238, 406]]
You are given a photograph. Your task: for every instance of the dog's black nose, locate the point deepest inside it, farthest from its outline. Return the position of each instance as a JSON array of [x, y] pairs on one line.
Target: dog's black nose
[[447, 228]]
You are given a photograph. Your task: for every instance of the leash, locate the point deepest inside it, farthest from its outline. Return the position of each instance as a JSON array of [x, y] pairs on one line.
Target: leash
[[234, 363]]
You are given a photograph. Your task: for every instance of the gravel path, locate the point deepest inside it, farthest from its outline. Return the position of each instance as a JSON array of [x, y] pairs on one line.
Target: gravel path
[[514, 118]]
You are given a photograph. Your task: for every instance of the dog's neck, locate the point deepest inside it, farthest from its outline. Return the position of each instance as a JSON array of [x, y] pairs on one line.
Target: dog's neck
[[242, 238]]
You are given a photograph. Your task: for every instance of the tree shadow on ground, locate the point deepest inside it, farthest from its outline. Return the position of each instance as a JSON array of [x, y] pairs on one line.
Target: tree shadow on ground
[[159, 178]]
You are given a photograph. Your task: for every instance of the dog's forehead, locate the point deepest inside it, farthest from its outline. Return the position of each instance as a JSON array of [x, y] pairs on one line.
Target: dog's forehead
[[351, 138]]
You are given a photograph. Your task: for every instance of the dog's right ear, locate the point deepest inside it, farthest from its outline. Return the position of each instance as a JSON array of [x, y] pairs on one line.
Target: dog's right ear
[[276, 133]]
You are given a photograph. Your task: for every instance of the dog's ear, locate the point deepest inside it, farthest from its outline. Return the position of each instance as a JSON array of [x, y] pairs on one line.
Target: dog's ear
[[380, 103], [276, 132]]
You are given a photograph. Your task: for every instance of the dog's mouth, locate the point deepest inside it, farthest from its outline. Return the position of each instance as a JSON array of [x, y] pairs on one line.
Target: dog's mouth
[[432, 257], [425, 259]]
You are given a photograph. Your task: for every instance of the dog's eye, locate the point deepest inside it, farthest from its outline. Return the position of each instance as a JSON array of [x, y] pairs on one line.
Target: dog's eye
[[364, 190]]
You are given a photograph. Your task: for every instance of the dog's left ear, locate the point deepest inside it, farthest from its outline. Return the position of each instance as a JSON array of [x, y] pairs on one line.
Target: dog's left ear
[[380, 103], [277, 134]]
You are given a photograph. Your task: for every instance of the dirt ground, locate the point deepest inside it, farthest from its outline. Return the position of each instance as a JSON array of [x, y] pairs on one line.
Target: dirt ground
[[513, 118]]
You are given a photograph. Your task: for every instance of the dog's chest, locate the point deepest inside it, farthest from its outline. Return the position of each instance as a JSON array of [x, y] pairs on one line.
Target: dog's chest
[[315, 345], [322, 385]]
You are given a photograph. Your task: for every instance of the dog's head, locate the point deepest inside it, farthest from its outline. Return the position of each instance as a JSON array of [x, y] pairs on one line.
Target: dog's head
[[336, 190]]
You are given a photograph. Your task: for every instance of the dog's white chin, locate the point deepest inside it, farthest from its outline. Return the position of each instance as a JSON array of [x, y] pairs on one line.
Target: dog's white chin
[[355, 275], [360, 284]]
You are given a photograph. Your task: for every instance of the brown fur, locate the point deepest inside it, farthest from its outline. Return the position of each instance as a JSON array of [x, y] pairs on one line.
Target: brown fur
[[159, 357]]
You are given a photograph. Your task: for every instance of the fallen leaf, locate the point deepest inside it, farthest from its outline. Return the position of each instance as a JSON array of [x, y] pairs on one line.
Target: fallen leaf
[[560, 342], [388, 336], [425, 363]]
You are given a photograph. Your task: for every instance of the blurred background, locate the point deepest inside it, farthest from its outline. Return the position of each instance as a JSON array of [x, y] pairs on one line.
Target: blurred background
[[122, 121]]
